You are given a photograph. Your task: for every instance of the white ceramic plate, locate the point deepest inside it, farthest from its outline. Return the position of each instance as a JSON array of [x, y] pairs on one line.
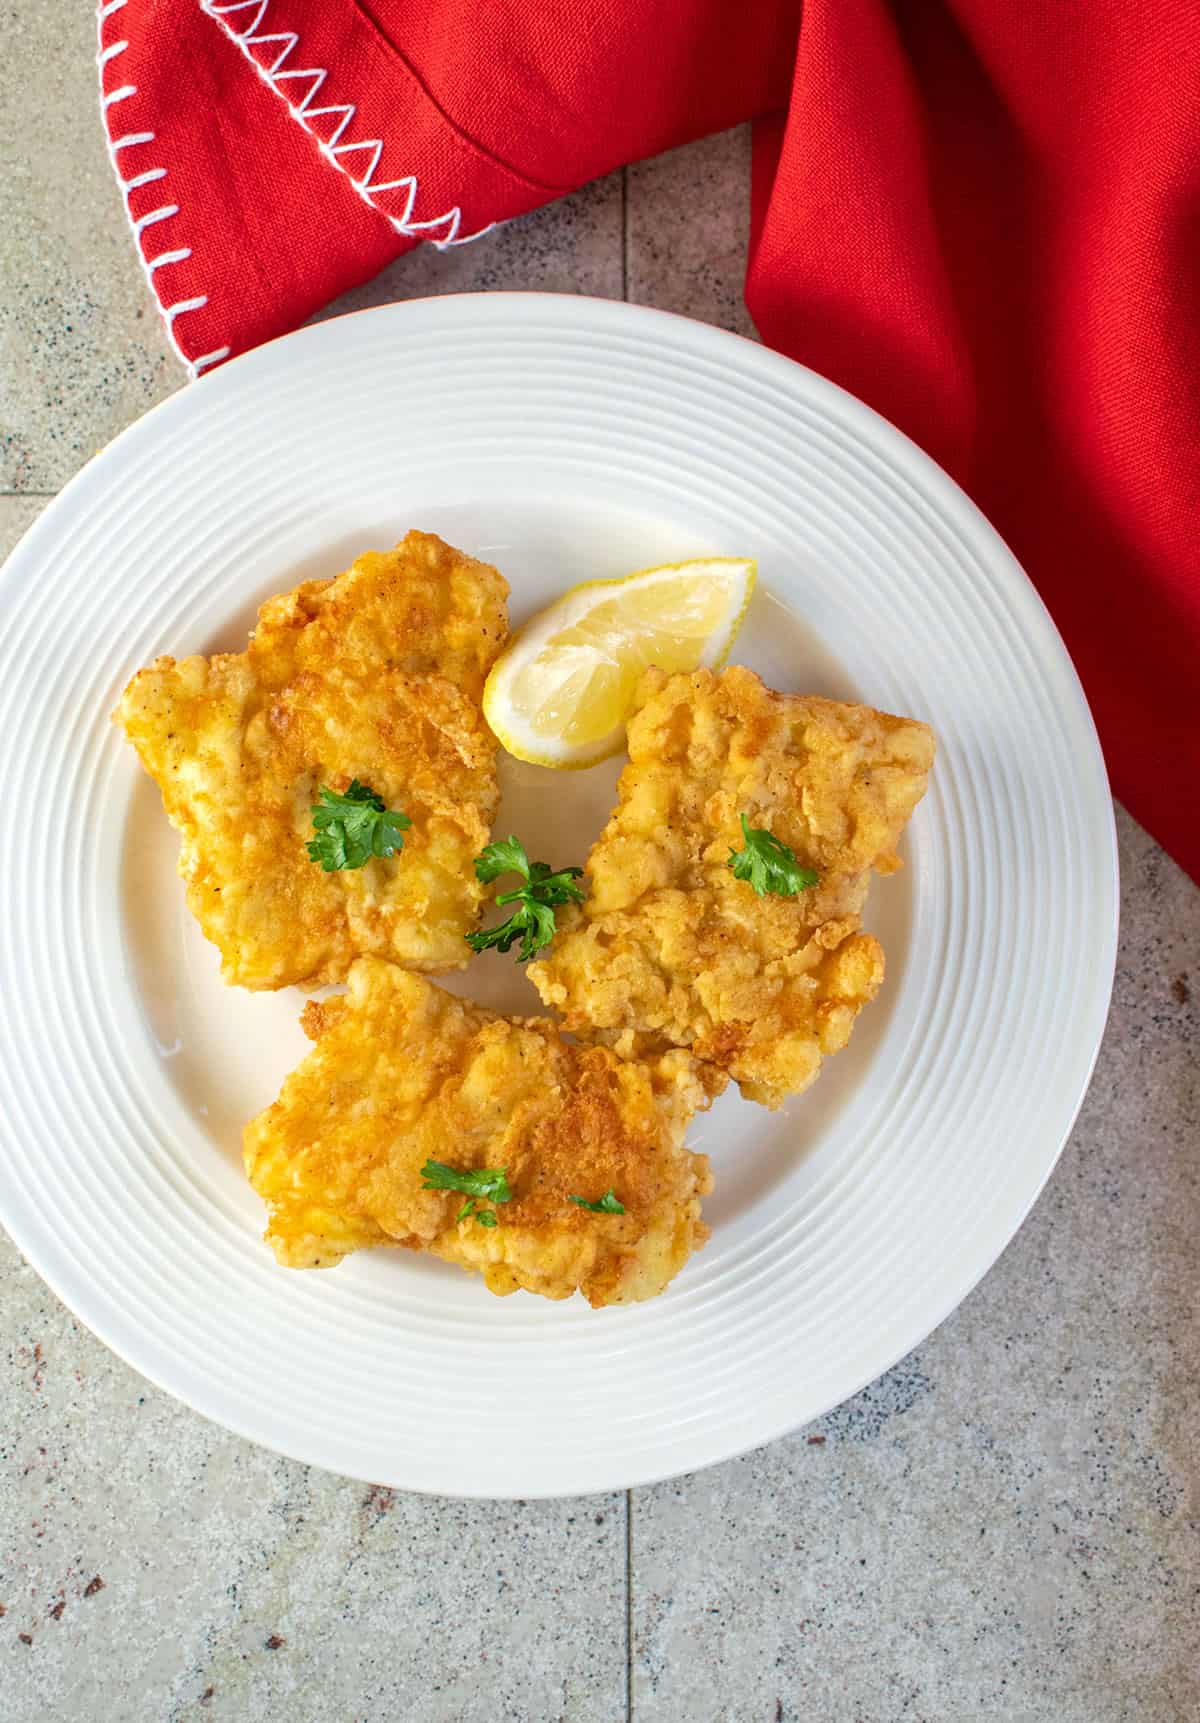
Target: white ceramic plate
[[562, 439]]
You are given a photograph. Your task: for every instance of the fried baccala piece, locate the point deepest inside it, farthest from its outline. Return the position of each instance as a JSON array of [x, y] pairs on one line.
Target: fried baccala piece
[[404, 1074], [373, 677], [670, 948]]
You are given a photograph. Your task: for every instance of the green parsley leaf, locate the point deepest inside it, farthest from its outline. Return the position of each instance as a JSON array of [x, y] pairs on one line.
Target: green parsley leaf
[[532, 924], [352, 826], [486, 1182], [608, 1203], [506, 855], [769, 865], [485, 1216], [550, 888], [542, 892]]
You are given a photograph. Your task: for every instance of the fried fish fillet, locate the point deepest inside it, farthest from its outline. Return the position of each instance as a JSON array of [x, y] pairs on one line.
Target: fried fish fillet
[[670, 949], [376, 675], [404, 1072]]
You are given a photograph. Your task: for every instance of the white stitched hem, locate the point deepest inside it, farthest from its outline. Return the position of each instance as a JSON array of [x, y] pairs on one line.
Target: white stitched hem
[[146, 176], [250, 36]]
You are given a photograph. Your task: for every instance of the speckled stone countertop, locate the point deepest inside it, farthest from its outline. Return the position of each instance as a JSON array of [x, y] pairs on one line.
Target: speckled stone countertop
[[1004, 1527]]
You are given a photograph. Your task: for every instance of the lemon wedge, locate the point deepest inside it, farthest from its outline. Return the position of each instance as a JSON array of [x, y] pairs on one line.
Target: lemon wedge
[[560, 692]]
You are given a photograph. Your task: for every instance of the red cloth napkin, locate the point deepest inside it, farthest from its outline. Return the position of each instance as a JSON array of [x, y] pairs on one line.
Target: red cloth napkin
[[982, 216]]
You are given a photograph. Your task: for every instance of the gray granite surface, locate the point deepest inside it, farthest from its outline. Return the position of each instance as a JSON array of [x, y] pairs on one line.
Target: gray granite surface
[[1005, 1526]]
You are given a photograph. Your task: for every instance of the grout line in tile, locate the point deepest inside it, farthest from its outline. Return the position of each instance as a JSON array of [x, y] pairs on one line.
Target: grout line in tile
[[629, 1606], [624, 233]]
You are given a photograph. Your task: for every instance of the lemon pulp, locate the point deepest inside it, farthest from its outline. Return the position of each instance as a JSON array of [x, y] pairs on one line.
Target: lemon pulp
[[562, 689]]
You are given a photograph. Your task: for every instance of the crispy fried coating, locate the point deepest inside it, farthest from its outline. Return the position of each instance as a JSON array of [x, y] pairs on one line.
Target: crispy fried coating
[[376, 675], [403, 1072], [670, 949]]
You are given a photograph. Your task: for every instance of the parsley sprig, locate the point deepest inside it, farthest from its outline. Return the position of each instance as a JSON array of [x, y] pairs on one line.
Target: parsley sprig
[[769, 865], [477, 1183], [541, 892], [352, 826], [608, 1203]]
